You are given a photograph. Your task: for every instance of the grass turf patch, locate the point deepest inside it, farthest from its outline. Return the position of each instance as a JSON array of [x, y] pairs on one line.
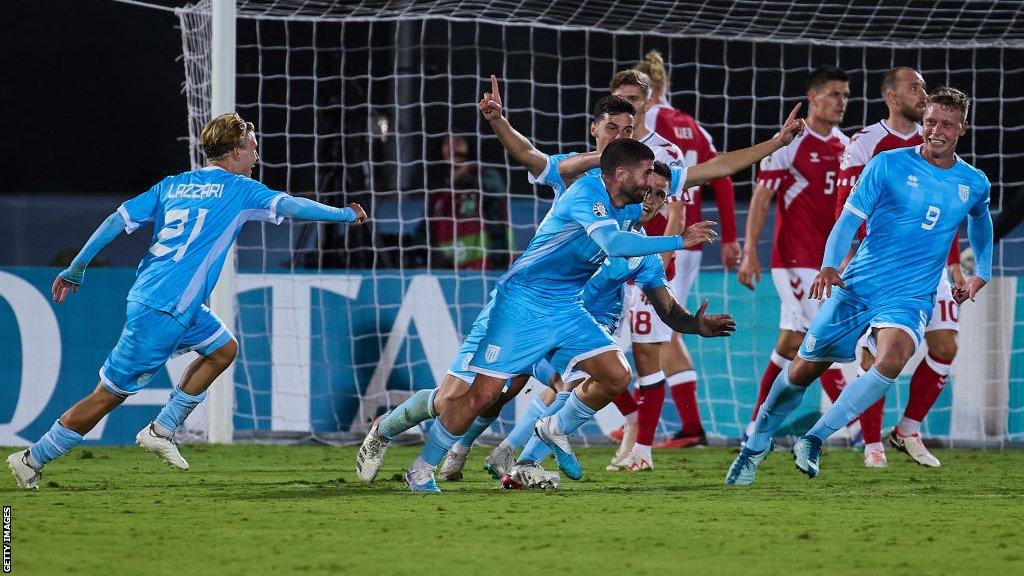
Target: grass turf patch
[[250, 510]]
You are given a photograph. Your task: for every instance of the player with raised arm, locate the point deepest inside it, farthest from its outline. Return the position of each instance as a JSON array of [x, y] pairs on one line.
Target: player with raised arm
[[196, 216], [697, 146], [612, 119], [913, 200], [803, 177], [903, 89], [656, 363]]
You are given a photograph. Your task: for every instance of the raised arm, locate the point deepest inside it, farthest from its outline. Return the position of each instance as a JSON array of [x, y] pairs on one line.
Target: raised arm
[[517, 145], [72, 277], [679, 319], [730, 163], [306, 209], [572, 167]]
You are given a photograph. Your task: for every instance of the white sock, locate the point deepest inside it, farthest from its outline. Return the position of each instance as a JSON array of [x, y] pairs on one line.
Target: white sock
[[162, 430], [908, 427], [420, 464], [458, 448], [642, 451], [874, 447], [631, 418]]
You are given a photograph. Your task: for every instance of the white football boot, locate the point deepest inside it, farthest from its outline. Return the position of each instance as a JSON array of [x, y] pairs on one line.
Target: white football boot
[[914, 447], [164, 447], [875, 459], [27, 476], [454, 462], [530, 475], [370, 457], [500, 461], [625, 447], [637, 463]]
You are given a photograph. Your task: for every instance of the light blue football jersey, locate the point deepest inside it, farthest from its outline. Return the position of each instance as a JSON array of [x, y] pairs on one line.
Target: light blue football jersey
[[196, 216], [913, 209], [552, 178], [561, 258], [603, 294]]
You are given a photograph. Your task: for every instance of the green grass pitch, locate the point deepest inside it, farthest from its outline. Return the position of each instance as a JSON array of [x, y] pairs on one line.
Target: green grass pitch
[[279, 510]]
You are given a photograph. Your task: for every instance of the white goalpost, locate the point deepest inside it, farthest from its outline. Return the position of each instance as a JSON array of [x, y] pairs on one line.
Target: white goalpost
[[363, 101]]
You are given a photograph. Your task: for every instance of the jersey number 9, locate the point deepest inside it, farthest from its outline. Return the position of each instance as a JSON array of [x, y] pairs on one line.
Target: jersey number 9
[[931, 218]]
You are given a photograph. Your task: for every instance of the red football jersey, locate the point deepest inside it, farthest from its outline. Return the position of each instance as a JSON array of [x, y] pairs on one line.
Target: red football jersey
[[863, 146], [697, 146], [803, 176]]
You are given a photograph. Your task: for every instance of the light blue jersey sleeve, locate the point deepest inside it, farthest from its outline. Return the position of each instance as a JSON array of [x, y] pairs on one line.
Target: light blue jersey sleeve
[[262, 202], [589, 209], [650, 274], [550, 175], [143, 208], [865, 196], [676, 190], [980, 233]]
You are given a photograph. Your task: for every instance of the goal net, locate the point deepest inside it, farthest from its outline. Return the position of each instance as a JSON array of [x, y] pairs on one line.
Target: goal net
[[375, 102]]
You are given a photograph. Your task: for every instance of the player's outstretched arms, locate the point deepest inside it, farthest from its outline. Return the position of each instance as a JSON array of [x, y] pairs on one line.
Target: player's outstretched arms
[[306, 209], [699, 233], [679, 319], [750, 267], [620, 244], [730, 163], [71, 278], [517, 145]]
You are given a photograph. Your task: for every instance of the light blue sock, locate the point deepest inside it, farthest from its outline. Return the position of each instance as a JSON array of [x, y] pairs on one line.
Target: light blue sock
[[478, 427], [535, 451], [439, 442], [417, 408], [523, 431], [54, 443], [177, 409], [783, 398], [857, 397], [573, 415]]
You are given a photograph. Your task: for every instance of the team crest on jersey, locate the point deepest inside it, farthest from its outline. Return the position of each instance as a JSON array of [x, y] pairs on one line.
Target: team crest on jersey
[[810, 342], [963, 191], [600, 210], [492, 352], [634, 262]]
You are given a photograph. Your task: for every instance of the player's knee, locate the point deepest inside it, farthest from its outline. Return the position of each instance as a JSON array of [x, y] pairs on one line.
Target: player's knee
[[481, 397], [226, 354], [944, 347], [618, 379]]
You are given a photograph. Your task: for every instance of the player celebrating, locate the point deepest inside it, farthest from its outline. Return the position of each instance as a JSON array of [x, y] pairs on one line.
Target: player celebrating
[[196, 217], [803, 175], [913, 200], [697, 146], [903, 89]]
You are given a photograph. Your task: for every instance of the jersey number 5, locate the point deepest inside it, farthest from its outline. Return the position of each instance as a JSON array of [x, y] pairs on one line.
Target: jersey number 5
[[174, 226], [931, 217]]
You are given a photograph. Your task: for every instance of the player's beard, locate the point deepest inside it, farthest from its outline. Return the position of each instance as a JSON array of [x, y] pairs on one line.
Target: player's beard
[[911, 112]]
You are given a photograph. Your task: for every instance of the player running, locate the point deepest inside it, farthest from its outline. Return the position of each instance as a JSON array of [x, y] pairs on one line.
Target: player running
[[196, 216], [903, 89], [803, 176], [913, 200]]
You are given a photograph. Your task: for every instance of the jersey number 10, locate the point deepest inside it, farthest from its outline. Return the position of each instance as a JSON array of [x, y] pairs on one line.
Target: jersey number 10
[[174, 226]]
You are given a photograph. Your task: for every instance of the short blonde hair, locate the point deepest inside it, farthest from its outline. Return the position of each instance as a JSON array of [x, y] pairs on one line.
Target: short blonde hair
[[223, 134], [654, 66], [951, 98]]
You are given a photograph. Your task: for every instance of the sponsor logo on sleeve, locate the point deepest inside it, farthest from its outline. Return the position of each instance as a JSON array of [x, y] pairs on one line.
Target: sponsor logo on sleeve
[[600, 210], [963, 191]]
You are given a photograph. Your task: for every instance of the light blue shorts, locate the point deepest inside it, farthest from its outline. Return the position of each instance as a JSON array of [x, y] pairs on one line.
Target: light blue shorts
[[521, 333], [460, 366], [150, 338], [843, 319]]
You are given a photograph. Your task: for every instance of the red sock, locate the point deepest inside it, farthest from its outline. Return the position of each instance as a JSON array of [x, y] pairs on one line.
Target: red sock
[[833, 382], [625, 403], [871, 422], [925, 386], [683, 386], [652, 398], [771, 372]]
